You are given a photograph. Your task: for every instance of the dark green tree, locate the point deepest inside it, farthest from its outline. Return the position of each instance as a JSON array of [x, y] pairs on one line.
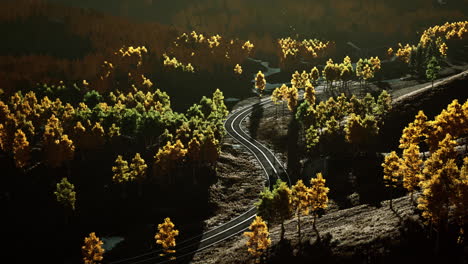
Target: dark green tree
[[432, 69]]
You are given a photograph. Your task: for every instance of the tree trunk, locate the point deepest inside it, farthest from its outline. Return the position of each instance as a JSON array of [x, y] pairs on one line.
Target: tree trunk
[[282, 231], [299, 226], [315, 227], [391, 198]]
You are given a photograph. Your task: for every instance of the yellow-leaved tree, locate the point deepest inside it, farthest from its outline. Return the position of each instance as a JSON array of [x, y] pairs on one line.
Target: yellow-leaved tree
[[301, 202], [392, 172], [92, 250], [260, 82], [138, 171], [21, 149], [461, 199], [318, 195], [166, 237], [258, 238], [309, 93], [238, 69], [121, 171], [58, 147], [411, 168]]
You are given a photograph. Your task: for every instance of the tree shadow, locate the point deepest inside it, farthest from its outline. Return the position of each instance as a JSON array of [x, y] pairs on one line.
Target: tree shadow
[[294, 166], [254, 120]]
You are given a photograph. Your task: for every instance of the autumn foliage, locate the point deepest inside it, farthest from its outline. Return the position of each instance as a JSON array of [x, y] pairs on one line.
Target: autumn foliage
[[166, 236], [258, 238], [92, 249], [441, 180]]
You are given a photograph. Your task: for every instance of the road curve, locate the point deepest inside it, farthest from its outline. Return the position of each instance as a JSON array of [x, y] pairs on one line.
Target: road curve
[[270, 165]]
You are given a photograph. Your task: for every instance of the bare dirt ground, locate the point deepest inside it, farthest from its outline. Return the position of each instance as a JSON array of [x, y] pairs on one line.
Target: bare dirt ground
[[348, 232], [239, 182], [363, 231]]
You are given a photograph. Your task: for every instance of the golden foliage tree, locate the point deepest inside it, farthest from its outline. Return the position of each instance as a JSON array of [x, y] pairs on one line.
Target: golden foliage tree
[[392, 171], [58, 147], [260, 82], [293, 97], [314, 74], [438, 158], [411, 168], [92, 249], [309, 93], [258, 238], [168, 157], [21, 149], [121, 171], [166, 236], [238, 69], [461, 198], [138, 168], [437, 192], [301, 202], [318, 195]]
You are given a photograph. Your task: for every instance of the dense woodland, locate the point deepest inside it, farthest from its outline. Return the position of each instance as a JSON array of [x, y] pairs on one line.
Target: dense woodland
[[104, 117]]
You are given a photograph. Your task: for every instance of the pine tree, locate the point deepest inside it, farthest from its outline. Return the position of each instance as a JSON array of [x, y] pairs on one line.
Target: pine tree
[[92, 250], [21, 149], [65, 193], [318, 198], [432, 69], [166, 237], [258, 238], [392, 172], [260, 82]]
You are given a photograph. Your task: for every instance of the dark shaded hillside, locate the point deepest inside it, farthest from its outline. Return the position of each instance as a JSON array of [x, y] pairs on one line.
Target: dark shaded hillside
[[431, 101]]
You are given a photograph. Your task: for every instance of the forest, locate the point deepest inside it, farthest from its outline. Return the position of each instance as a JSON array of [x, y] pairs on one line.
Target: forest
[[330, 131]]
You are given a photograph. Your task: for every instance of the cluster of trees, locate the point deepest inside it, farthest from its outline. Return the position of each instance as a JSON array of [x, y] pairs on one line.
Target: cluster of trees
[[344, 72], [106, 35], [292, 51], [197, 48], [432, 46], [389, 20], [441, 175], [356, 120], [93, 252], [57, 129], [281, 203]]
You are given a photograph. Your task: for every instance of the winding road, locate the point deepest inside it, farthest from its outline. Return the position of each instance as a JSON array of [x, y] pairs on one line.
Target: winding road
[[273, 170]]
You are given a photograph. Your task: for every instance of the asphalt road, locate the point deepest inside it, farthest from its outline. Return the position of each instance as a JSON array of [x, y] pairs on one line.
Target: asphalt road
[[272, 168]]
